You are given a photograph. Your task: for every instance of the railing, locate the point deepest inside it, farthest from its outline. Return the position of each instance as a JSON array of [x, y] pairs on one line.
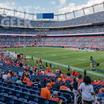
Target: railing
[[81, 12], [58, 17]]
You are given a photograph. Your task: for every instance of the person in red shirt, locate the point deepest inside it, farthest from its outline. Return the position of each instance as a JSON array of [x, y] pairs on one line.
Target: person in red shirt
[[75, 73], [64, 87], [48, 70]]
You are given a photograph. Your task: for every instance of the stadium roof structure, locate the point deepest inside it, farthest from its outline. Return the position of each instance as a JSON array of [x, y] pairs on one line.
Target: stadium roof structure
[[57, 17]]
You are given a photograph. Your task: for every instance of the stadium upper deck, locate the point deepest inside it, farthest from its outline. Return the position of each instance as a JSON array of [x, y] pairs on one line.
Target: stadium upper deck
[[83, 17], [92, 23]]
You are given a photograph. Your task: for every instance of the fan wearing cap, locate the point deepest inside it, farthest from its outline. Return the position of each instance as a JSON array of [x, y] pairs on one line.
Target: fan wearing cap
[[45, 92]]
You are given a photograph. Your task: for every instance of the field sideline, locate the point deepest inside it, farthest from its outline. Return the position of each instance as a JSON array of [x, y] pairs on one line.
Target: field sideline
[[80, 59]]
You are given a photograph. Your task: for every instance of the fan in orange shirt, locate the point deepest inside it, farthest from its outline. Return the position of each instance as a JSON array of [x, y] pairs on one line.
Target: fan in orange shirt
[[27, 81], [45, 92]]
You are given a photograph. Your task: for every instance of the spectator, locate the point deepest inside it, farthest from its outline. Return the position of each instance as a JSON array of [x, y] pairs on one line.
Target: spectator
[[80, 79], [75, 84], [46, 64], [27, 81], [14, 77], [19, 81], [69, 68], [87, 91], [64, 87], [85, 73], [55, 97], [5, 77], [101, 90], [57, 84], [75, 73], [45, 92], [52, 82], [37, 83]]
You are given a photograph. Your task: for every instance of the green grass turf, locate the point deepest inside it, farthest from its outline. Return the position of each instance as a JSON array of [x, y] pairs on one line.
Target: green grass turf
[[80, 59]]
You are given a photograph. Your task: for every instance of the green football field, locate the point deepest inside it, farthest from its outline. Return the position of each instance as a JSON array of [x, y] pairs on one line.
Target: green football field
[[79, 59]]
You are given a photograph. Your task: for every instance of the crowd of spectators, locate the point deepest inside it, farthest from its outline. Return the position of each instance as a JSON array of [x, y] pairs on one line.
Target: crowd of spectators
[[51, 83], [90, 42]]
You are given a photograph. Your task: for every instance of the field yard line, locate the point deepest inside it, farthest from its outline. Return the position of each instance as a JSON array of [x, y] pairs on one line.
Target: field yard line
[[73, 68]]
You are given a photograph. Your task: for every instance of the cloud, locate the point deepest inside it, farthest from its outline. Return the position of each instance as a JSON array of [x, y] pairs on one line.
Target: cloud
[[63, 7], [7, 4], [53, 2], [62, 2], [72, 6], [91, 2], [10, 4]]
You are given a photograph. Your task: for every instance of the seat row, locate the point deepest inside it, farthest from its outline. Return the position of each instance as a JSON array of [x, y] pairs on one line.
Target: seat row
[[11, 96]]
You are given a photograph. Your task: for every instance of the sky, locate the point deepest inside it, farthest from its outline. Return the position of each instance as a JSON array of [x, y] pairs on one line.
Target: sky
[[56, 6]]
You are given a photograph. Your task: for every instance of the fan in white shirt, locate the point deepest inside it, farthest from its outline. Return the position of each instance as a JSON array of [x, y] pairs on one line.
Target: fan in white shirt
[[87, 91]]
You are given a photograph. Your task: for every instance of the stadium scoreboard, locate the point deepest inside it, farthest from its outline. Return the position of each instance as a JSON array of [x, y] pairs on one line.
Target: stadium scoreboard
[[45, 16]]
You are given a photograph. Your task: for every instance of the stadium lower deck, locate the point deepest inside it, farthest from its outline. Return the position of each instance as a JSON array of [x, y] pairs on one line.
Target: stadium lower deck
[[23, 83]]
